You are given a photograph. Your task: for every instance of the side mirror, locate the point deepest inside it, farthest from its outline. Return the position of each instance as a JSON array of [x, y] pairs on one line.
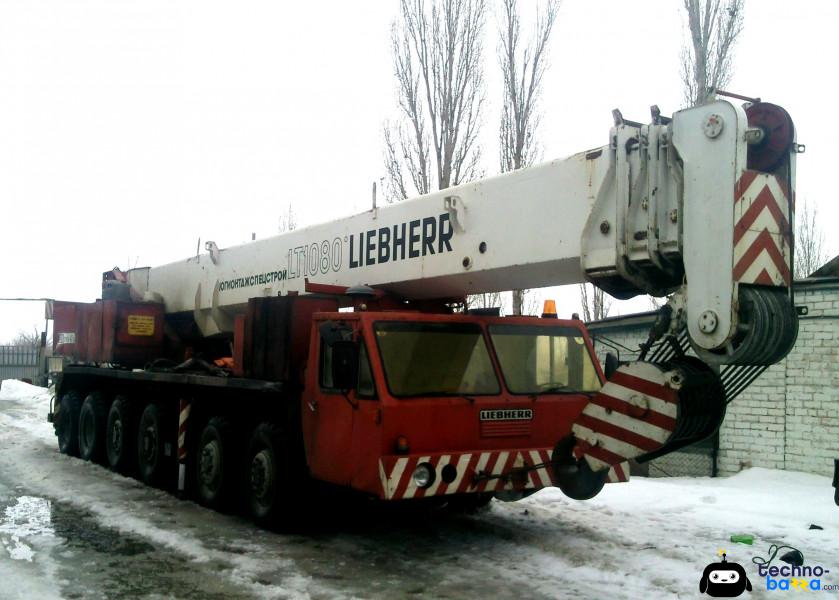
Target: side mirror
[[345, 364], [612, 364], [331, 332]]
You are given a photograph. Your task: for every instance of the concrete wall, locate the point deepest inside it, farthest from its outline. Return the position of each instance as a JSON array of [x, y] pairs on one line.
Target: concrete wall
[[789, 417]]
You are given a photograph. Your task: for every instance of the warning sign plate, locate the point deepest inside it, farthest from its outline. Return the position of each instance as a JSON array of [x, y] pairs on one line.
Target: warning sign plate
[[140, 325]]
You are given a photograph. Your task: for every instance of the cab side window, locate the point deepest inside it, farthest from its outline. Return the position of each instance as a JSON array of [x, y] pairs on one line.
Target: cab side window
[[366, 385], [325, 366]]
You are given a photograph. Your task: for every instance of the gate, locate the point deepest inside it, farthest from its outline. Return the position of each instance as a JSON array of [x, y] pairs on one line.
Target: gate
[[697, 460], [20, 362]]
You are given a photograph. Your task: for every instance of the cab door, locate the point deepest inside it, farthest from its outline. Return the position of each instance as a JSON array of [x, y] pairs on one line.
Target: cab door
[[330, 414], [367, 426]]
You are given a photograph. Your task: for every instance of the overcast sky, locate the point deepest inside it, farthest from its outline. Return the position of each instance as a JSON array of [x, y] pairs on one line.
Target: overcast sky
[[129, 130]]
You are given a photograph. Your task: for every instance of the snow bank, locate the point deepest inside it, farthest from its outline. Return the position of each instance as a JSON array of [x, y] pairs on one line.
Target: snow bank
[[647, 538], [26, 406], [18, 391], [651, 536]]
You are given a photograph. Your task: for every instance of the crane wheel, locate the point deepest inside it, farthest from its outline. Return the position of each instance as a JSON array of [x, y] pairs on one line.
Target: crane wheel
[[574, 476], [151, 446], [215, 464], [120, 444], [67, 423], [92, 418], [275, 483]]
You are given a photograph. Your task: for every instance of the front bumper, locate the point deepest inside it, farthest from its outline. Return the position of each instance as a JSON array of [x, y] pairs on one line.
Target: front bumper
[[487, 471]]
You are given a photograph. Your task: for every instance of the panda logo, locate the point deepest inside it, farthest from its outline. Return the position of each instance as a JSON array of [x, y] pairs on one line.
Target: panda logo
[[724, 580]]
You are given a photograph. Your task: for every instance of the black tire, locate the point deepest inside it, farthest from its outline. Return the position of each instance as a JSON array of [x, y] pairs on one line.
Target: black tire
[[92, 419], [120, 444], [275, 481], [573, 476], [67, 423], [152, 462], [216, 459]]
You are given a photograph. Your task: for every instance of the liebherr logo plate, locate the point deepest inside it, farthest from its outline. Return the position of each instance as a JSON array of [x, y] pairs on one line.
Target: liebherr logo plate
[[392, 243], [504, 414]]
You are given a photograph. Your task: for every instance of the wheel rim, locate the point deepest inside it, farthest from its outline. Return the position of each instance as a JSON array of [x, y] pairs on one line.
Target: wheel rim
[[262, 477], [149, 445], [116, 437], [87, 430], [64, 424], [210, 466]]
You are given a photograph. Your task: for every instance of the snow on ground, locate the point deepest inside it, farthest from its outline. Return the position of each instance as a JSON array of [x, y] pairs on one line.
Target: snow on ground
[[70, 529]]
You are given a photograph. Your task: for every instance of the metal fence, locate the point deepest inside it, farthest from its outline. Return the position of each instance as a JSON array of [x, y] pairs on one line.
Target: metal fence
[[19, 362], [697, 460]]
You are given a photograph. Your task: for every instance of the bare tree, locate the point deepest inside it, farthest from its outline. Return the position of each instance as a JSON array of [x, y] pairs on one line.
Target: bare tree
[[437, 59], [485, 300], [713, 27], [288, 220], [809, 241], [28, 339], [595, 303], [522, 69], [530, 305]]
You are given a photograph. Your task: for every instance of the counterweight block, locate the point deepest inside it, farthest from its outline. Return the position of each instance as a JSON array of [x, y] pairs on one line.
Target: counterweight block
[[647, 410]]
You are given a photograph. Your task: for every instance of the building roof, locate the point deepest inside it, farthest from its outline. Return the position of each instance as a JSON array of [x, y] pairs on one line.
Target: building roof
[[641, 320], [826, 277], [828, 269]]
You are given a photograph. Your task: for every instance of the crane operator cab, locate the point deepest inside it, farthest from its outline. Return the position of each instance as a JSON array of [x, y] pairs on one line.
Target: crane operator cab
[[408, 405]]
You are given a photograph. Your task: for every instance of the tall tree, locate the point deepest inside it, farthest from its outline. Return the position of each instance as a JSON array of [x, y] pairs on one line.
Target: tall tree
[[522, 68], [809, 241], [288, 220], [707, 64], [713, 28], [437, 59], [595, 304]]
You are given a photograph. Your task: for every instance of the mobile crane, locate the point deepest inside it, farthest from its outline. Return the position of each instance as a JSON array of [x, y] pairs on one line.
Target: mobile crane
[[341, 353]]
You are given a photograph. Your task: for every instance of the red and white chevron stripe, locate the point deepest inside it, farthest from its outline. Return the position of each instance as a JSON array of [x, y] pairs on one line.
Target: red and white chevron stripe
[[396, 472], [633, 414], [183, 418], [762, 235], [618, 473]]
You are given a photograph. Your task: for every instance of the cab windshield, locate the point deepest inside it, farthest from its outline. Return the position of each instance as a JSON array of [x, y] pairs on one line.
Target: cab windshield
[[433, 359], [539, 359]]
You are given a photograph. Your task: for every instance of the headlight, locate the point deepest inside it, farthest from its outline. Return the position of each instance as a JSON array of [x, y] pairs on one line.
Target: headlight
[[55, 364], [423, 475]]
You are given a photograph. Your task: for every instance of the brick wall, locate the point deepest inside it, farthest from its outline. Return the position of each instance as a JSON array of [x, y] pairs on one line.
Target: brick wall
[[789, 417]]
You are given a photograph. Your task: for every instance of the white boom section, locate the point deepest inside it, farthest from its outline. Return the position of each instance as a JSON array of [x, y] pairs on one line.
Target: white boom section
[[644, 214], [517, 230]]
